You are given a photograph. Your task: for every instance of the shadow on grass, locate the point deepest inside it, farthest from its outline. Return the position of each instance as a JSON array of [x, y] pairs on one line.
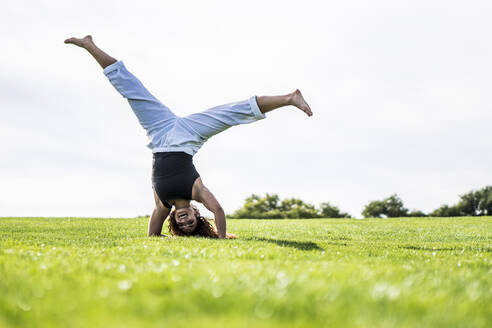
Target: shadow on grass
[[302, 245], [422, 248], [458, 248]]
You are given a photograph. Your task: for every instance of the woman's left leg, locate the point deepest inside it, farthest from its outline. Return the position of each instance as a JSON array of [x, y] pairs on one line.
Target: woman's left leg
[[269, 103], [197, 128]]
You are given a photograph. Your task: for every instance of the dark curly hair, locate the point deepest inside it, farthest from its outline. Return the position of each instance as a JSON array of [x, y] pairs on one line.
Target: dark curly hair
[[203, 228]]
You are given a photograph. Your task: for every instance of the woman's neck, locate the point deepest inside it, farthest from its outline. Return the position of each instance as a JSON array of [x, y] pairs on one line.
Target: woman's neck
[[181, 203]]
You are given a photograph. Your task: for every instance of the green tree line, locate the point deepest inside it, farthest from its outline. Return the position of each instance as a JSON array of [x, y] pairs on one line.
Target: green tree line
[[270, 206]]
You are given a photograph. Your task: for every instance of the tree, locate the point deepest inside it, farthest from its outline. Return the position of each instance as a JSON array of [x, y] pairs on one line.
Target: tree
[[271, 207], [388, 207], [446, 211], [374, 209], [330, 211], [476, 202], [473, 203], [257, 207], [468, 204], [296, 208], [485, 203], [417, 214]]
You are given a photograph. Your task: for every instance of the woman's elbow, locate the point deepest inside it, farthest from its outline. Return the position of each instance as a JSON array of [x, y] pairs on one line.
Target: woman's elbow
[[219, 210]]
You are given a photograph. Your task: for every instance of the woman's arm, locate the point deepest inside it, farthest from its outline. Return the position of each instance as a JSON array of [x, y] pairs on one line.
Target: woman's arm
[[157, 220], [158, 217], [208, 200]]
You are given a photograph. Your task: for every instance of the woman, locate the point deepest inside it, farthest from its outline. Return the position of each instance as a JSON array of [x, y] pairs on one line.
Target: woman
[[174, 140]]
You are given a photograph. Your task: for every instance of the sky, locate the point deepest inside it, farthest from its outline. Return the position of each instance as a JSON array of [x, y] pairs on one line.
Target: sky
[[400, 92]]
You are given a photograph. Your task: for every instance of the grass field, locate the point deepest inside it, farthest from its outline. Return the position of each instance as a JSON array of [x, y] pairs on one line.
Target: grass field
[[280, 273]]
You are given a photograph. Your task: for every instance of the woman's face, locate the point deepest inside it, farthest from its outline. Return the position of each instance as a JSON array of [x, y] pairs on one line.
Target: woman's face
[[186, 219]]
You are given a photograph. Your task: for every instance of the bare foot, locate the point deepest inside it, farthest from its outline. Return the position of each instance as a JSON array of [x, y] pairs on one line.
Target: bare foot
[[299, 102], [83, 42]]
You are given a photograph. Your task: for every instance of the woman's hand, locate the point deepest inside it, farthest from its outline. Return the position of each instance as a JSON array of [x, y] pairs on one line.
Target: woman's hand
[[231, 236]]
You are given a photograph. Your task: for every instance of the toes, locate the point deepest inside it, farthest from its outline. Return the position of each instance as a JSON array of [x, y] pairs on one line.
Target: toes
[[307, 110], [71, 40]]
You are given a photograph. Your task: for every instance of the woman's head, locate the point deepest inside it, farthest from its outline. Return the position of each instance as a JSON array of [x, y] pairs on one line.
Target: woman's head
[[187, 221], [186, 218]]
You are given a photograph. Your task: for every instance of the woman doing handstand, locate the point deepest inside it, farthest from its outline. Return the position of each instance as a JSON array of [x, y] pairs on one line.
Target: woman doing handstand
[[174, 140]]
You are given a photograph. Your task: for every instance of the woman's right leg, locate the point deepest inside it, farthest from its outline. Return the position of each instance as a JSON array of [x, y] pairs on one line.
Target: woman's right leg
[[100, 56], [155, 117]]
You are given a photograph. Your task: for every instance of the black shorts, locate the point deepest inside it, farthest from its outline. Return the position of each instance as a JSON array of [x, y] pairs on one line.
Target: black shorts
[[173, 176]]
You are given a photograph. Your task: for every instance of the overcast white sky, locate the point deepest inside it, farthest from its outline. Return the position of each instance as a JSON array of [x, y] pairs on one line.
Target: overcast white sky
[[400, 90]]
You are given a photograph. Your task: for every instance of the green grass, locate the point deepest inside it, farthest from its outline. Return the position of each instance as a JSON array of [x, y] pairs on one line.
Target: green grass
[[280, 273]]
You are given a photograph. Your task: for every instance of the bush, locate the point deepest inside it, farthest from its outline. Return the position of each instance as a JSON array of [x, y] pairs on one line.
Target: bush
[[446, 211], [330, 211], [473, 203], [257, 207], [417, 214], [476, 203], [389, 207], [485, 203], [271, 207]]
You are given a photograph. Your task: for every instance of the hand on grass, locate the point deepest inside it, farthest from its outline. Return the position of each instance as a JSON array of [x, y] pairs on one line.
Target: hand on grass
[[231, 236]]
